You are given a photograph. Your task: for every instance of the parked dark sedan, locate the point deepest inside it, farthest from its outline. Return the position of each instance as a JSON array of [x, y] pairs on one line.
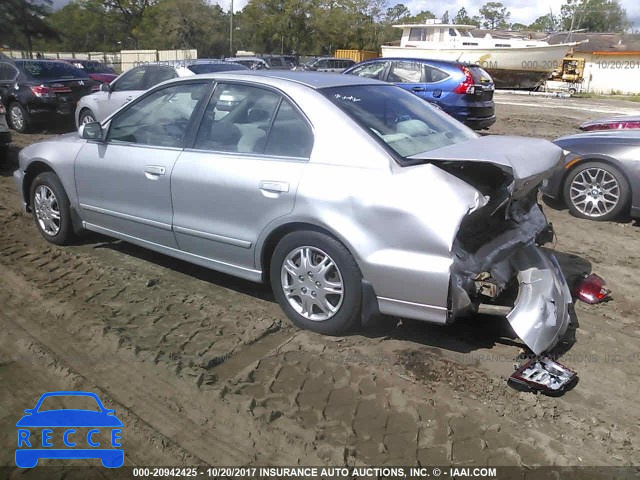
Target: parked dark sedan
[[601, 176], [37, 91], [97, 71], [463, 91], [5, 135]]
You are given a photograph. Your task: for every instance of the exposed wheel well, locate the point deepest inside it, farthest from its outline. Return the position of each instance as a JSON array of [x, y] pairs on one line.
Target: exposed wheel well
[[275, 236], [35, 169]]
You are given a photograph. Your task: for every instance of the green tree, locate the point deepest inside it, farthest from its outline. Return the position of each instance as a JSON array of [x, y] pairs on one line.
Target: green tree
[[23, 21], [396, 13], [545, 23], [463, 18], [131, 14], [494, 15], [594, 15]]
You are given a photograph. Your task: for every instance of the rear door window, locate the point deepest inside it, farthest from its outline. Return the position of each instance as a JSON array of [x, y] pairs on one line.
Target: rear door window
[[433, 75], [7, 72], [290, 135]]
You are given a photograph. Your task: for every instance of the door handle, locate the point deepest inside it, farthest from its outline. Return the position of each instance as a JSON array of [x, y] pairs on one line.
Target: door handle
[[274, 187], [418, 89], [154, 170]]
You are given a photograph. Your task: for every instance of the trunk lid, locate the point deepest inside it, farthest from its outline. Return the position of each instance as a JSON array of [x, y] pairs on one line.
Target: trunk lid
[[527, 160], [70, 90]]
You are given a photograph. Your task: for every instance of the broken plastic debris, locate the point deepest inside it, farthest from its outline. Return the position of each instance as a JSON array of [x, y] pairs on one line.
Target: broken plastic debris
[[591, 289], [541, 374]]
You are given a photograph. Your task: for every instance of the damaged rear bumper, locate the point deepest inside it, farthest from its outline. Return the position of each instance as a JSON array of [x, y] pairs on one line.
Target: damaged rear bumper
[[540, 316]]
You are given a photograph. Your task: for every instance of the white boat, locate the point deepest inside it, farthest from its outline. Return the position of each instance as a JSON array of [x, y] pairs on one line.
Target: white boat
[[512, 62]]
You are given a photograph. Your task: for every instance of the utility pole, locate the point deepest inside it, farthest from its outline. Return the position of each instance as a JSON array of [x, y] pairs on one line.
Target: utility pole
[[231, 31]]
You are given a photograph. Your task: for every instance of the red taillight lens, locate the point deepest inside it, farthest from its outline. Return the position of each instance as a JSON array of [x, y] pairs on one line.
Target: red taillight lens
[[2, 110], [591, 289], [44, 92], [466, 86]]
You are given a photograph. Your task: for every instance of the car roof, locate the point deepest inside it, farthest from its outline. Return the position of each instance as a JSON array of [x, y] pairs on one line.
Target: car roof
[[421, 60], [313, 80]]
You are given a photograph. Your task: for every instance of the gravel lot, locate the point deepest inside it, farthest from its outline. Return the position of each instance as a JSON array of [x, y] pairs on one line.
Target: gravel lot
[[203, 368]]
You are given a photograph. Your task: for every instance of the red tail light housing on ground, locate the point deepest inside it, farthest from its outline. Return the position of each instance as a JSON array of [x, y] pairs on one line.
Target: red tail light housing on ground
[[467, 86], [591, 289]]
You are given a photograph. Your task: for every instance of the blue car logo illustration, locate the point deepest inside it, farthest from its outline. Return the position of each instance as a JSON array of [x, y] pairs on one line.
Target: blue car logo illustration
[[65, 421]]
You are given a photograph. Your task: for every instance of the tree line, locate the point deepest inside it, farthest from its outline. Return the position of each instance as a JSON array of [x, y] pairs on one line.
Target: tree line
[[308, 27]]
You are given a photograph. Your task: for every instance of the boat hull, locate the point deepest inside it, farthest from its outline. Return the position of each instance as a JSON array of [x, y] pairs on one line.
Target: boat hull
[[525, 67]]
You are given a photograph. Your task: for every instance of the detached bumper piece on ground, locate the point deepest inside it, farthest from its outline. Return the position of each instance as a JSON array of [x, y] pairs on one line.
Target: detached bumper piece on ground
[[541, 374]]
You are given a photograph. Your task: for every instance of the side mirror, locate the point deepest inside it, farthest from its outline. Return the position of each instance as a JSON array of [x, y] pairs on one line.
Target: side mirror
[[90, 131], [105, 87]]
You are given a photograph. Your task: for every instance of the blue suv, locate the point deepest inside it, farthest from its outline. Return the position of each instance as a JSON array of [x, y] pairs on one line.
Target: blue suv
[[463, 91]]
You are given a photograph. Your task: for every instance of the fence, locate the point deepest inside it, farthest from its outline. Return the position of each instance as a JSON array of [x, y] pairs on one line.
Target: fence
[[119, 61]]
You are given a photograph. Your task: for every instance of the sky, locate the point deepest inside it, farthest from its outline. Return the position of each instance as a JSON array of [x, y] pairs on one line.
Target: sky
[[522, 11]]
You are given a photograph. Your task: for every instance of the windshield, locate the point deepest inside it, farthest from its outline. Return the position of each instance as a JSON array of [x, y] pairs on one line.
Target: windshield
[[65, 402], [51, 70], [405, 123], [199, 68]]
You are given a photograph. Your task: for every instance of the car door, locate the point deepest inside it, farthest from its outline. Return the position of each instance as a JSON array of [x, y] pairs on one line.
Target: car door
[[126, 87], [241, 174], [410, 76], [123, 182]]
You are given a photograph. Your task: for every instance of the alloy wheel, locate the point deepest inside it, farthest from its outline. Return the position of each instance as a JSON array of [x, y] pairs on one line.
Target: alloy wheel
[[594, 192], [312, 283], [47, 210], [17, 118]]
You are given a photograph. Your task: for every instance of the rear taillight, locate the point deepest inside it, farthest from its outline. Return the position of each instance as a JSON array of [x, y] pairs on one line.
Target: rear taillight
[[467, 85], [95, 88], [48, 92], [591, 289], [2, 110]]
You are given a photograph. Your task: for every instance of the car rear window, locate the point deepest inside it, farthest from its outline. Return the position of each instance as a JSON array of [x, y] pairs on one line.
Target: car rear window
[[404, 123], [199, 68], [50, 70], [479, 75]]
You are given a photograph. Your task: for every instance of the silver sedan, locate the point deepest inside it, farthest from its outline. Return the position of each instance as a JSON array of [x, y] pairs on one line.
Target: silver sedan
[[351, 197]]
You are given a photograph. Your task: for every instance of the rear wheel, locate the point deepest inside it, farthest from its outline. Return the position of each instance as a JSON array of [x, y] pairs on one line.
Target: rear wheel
[[51, 209], [19, 118], [317, 282], [596, 191]]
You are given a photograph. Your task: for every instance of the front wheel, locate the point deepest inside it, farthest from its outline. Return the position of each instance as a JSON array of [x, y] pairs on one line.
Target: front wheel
[[317, 282], [596, 191], [86, 116], [51, 209]]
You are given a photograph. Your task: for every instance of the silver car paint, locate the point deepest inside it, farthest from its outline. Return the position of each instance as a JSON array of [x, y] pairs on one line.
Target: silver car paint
[[400, 223]]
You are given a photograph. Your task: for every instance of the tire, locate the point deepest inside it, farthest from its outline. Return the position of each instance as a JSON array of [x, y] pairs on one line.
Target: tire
[[59, 231], [596, 179], [18, 118], [343, 310], [4, 154], [86, 116]]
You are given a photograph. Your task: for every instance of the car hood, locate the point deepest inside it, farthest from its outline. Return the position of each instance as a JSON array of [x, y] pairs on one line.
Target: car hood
[[69, 418], [527, 160]]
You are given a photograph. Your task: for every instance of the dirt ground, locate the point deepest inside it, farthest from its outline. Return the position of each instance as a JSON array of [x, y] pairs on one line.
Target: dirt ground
[[204, 369]]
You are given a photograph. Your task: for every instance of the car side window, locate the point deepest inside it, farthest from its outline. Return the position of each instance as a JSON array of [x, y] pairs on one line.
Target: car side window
[[433, 75], [370, 70], [322, 64], [237, 119], [405, 72], [132, 80], [290, 135], [7, 72], [156, 75], [159, 119]]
